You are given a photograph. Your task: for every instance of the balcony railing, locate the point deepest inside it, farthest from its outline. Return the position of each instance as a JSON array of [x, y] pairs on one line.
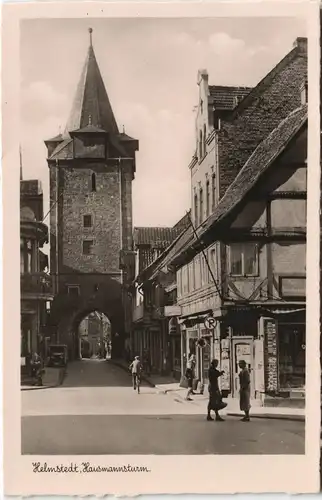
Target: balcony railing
[[36, 283]]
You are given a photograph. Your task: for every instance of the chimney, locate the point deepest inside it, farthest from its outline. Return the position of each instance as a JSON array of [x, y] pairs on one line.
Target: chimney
[[301, 44], [202, 76]]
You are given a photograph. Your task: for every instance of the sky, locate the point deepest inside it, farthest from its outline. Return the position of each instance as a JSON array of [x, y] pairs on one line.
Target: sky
[[149, 67]]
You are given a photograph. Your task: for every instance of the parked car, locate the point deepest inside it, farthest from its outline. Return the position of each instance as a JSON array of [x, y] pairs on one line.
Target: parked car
[[58, 355]]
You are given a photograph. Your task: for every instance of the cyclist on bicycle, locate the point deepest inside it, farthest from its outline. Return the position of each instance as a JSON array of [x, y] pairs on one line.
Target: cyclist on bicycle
[[136, 369]]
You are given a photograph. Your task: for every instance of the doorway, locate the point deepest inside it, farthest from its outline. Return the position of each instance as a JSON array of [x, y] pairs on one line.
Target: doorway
[[242, 349]]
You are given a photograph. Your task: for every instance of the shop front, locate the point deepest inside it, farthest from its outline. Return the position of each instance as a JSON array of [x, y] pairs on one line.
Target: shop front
[[272, 343], [197, 340]]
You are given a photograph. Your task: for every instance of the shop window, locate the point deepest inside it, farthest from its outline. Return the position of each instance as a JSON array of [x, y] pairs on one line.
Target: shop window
[[87, 220], [192, 345], [88, 247], [291, 355], [244, 259]]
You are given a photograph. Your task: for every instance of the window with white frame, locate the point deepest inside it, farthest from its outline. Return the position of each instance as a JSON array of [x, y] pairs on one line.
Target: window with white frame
[[243, 259], [185, 288], [191, 278], [179, 282], [197, 272], [196, 210]]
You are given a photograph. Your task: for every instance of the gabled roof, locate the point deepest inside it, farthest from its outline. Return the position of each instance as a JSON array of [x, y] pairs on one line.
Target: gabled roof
[[258, 163], [63, 151], [91, 101], [156, 237], [227, 98], [299, 49], [124, 137], [57, 138], [264, 155]]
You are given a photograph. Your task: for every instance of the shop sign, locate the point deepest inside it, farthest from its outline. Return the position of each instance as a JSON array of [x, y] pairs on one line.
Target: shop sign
[[271, 354], [172, 310]]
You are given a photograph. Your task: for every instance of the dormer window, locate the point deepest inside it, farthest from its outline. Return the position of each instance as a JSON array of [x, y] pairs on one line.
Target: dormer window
[[304, 93], [93, 182], [216, 121]]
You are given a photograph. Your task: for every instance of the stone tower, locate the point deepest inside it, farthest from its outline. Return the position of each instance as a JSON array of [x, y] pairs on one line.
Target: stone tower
[[91, 168]]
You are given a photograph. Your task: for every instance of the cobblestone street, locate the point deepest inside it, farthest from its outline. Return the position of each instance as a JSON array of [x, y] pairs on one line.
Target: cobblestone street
[[96, 411]]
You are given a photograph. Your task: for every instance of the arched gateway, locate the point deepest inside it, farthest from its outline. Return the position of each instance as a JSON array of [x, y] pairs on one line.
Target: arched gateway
[[91, 168]]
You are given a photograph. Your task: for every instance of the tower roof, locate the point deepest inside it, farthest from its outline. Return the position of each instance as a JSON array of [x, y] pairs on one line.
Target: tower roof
[[91, 103]]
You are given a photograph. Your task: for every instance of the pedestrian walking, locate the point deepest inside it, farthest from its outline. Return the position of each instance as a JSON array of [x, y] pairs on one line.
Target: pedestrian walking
[[244, 392], [136, 369], [215, 398], [190, 375]]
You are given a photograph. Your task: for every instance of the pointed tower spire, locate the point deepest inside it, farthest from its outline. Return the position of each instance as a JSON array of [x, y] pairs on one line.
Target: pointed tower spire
[[91, 98]]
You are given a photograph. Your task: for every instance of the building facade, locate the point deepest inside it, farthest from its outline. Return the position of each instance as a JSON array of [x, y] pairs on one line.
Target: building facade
[[91, 167], [154, 297], [242, 260], [35, 283], [204, 278]]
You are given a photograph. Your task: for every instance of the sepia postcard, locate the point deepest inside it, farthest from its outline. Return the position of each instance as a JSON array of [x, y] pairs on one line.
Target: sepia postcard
[[161, 169]]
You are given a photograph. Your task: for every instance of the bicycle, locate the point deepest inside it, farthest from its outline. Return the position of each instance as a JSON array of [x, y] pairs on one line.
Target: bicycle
[[138, 382]]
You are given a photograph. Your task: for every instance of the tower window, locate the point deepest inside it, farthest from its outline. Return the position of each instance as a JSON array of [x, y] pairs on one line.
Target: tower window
[[87, 220], [88, 247], [93, 182]]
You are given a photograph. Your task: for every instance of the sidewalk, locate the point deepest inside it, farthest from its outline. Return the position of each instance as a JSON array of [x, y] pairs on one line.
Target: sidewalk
[[168, 385], [53, 377]]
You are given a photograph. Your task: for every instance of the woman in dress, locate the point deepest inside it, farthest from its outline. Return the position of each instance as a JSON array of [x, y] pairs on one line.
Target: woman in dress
[[215, 399], [190, 374], [244, 392]]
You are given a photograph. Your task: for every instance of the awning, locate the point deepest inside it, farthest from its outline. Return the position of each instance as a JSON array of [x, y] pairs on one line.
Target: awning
[[285, 311]]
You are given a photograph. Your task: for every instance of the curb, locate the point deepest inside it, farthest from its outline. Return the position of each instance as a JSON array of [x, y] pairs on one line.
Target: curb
[[271, 416], [61, 377]]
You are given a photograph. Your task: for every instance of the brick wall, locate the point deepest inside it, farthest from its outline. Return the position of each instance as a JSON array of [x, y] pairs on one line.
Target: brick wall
[[104, 206], [265, 107]]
